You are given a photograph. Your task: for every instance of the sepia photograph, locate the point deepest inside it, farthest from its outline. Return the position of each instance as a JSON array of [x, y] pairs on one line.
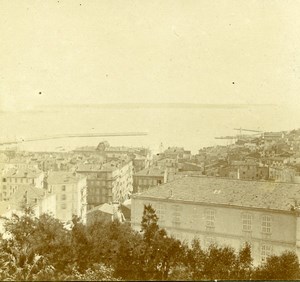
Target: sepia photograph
[[149, 140]]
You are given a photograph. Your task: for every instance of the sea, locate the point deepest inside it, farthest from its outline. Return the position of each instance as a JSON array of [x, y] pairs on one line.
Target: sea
[[190, 126]]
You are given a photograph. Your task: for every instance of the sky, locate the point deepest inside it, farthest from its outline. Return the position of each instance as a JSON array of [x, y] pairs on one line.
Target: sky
[[180, 51]]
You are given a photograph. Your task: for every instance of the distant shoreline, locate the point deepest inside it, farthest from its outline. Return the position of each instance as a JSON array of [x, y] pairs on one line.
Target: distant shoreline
[[56, 108], [154, 106]]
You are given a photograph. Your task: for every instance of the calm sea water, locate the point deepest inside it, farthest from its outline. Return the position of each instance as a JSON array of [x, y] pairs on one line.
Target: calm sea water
[[192, 128]]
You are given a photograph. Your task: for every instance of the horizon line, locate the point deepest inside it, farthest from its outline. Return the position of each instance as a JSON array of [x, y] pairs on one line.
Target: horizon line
[[155, 105]]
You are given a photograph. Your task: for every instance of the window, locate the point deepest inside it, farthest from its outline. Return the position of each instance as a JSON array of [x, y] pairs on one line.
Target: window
[[176, 221], [196, 215], [266, 224], [63, 206], [63, 197], [210, 218], [63, 188], [247, 222], [266, 250], [176, 215], [160, 212]]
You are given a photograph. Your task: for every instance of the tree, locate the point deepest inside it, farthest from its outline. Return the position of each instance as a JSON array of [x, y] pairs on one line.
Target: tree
[[244, 261], [195, 257], [53, 241], [149, 225], [219, 262], [159, 253], [98, 272], [283, 267], [81, 244], [116, 245], [18, 257]]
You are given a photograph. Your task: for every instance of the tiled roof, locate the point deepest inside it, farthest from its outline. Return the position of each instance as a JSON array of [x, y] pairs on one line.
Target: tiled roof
[[113, 165], [109, 166], [20, 173], [151, 171], [32, 193], [243, 163], [89, 167], [17, 200], [255, 194], [61, 177], [174, 150], [105, 208]]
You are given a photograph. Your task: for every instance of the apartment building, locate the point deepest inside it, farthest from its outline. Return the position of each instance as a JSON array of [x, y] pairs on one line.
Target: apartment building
[[169, 163], [28, 196], [149, 177], [140, 162], [109, 182], [248, 170], [66, 196], [13, 179], [227, 212], [177, 153]]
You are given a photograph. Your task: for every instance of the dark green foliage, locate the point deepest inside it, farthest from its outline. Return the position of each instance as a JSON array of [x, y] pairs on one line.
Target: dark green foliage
[[195, 257], [160, 254], [243, 268], [219, 263], [283, 267], [149, 225], [42, 249], [19, 258]]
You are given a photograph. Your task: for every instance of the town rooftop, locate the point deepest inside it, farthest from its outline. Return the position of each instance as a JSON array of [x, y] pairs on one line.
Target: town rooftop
[[221, 191]]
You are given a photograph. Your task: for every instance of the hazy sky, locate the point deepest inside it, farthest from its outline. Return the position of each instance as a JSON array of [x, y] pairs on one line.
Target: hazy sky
[[201, 51]]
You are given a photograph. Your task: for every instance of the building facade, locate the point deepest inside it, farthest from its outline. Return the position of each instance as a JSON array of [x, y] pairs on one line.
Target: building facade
[[14, 179], [66, 196], [109, 182], [149, 177], [226, 212]]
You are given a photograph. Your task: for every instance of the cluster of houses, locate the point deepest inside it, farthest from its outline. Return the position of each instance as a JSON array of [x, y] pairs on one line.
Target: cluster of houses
[[245, 192]]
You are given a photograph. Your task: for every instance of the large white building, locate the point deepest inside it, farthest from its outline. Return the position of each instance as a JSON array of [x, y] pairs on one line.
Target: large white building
[[227, 212], [66, 196]]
